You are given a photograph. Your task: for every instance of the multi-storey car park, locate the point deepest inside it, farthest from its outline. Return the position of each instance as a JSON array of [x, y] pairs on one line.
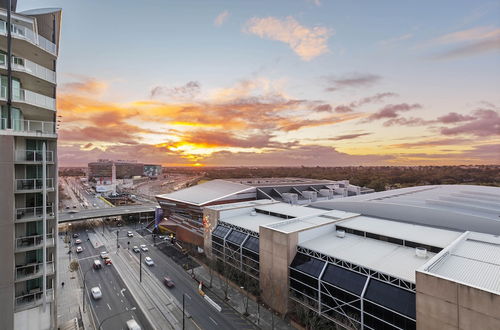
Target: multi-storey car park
[[423, 257], [29, 44]]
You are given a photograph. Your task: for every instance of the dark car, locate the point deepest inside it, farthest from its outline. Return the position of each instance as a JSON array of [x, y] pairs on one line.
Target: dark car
[[75, 235], [168, 282]]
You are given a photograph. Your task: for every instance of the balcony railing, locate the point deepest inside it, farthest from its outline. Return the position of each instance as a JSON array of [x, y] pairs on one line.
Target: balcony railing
[[32, 68], [29, 97], [33, 184], [33, 241], [34, 298], [33, 270], [33, 156], [30, 126], [33, 212], [22, 32]]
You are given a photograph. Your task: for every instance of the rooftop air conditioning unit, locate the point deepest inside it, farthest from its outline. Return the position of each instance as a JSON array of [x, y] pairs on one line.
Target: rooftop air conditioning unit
[[253, 213], [421, 252], [340, 233]]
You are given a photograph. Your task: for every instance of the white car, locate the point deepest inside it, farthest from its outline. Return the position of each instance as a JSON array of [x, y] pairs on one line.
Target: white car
[[136, 249], [104, 255], [149, 261], [96, 293], [79, 249], [144, 247], [132, 325], [78, 241], [130, 234]]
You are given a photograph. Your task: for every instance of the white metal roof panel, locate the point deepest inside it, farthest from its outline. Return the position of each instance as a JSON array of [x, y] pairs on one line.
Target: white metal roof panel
[[206, 192], [392, 259], [405, 231]]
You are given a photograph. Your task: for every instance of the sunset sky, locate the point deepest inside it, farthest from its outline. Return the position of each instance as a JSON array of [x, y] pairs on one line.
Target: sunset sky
[[294, 82]]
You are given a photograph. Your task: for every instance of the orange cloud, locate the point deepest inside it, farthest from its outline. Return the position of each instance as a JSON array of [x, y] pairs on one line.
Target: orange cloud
[[306, 42]]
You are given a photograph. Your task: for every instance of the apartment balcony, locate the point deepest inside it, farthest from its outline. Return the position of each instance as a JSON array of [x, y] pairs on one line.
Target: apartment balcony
[[33, 156], [30, 271], [25, 34], [25, 214], [26, 243], [33, 185], [31, 128], [33, 298], [24, 96], [26, 66]]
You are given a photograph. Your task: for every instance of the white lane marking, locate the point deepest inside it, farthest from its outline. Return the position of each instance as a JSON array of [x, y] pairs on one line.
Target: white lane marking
[[122, 291], [121, 300], [211, 319], [100, 286], [110, 308], [187, 296]]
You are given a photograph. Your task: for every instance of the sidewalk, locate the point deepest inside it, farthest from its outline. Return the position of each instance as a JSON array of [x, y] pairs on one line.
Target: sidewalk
[[237, 300], [69, 297], [161, 309]]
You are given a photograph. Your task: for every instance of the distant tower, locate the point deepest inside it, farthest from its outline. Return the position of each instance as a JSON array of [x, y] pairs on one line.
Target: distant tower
[[113, 177]]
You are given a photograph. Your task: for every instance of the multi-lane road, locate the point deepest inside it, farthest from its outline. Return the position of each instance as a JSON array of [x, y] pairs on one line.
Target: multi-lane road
[[115, 296]]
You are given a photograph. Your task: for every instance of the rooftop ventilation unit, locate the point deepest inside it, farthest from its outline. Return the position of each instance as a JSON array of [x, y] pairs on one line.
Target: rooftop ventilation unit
[[421, 252], [253, 213], [340, 233], [290, 198]]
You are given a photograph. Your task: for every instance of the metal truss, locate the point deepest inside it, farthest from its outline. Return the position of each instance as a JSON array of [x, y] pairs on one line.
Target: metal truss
[[359, 269]]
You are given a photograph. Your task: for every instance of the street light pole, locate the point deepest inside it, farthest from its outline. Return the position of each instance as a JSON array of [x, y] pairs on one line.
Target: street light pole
[[122, 312], [183, 322], [117, 231]]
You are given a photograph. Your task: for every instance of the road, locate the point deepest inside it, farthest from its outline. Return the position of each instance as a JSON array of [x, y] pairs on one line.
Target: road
[[115, 296], [203, 314]]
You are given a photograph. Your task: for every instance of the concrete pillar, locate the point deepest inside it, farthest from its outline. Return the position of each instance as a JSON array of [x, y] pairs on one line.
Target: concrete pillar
[[276, 252]]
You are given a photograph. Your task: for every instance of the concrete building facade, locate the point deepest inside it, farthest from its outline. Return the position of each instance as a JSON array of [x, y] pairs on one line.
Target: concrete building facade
[[29, 45]]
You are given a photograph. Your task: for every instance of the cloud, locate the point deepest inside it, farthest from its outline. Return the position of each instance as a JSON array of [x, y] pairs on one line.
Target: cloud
[[412, 121], [221, 18], [470, 42], [353, 80], [308, 155], [392, 111], [323, 108], [306, 42], [431, 143], [454, 117], [349, 136], [315, 2], [366, 100], [185, 92], [85, 85], [486, 122]]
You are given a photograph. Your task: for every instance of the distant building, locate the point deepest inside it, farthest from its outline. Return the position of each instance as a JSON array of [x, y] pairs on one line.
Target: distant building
[[124, 169], [183, 209], [415, 258]]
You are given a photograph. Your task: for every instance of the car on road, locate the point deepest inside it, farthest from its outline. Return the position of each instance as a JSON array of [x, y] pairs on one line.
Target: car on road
[[96, 292], [74, 206], [132, 325], [67, 207], [149, 261], [104, 255], [75, 235], [94, 204], [168, 282], [97, 264], [136, 249], [79, 249], [107, 261], [130, 234], [119, 224], [73, 211], [144, 247], [78, 241]]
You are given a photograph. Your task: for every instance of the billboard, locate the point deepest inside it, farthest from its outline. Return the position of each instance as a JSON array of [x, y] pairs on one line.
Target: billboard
[[152, 171]]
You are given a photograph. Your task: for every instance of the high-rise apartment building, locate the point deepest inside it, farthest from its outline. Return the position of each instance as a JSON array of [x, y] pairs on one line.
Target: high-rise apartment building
[[29, 43]]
